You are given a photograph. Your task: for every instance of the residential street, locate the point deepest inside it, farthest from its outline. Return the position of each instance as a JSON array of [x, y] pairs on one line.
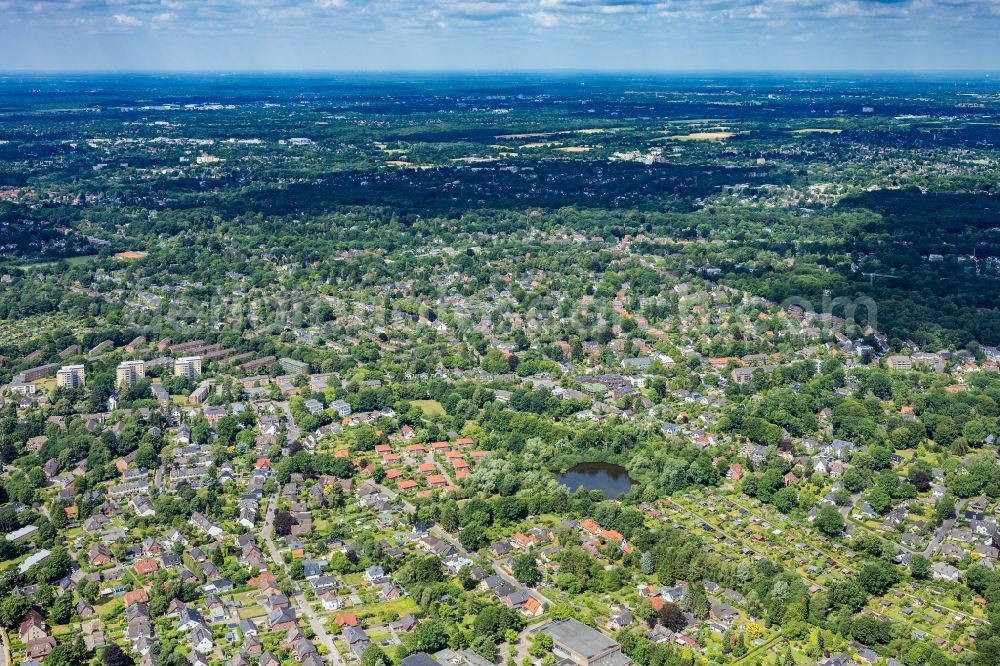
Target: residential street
[[444, 536], [432, 459], [939, 536], [305, 609], [393, 495], [510, 580], [293, 430], [5, 652]]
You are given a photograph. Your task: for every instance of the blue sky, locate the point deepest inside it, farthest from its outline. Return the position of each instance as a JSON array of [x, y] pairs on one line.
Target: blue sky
[[668, 35]]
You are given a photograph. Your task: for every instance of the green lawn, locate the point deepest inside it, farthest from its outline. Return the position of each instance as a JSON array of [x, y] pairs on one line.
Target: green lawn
[[108, 608], [251, 611], [13, 563], [354, 578], [72, 261], [399, 606], [429, 407]]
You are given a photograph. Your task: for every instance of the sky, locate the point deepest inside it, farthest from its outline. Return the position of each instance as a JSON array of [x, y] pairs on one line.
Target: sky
[[498, 35]]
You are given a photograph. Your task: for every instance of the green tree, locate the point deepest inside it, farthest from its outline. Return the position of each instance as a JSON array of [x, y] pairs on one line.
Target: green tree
[[920, 567], [484, 646], [848, 594], [944, 509], [788, 659], [297, 570], [541, 645], [852, 480], [374, 656], [877, 577], [72, 653], [431, 636], [145, 456], [494, 362], [697, 600], [647, 565], [526, 569], [880, 500], [473, 537], [12, 609], [62, 609], [829, 521]]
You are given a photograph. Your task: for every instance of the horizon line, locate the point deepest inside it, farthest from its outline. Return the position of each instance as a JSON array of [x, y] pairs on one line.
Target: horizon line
[[498, 71]]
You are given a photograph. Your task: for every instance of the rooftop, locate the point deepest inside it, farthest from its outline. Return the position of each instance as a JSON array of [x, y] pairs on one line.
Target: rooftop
[[580, 638]]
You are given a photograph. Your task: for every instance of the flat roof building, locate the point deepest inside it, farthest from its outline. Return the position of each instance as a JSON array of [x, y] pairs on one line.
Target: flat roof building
[[899, 362], [129, 373], [573, 640], [290, 365], [188, 366], [33, 559], [22, 534], [70, 377]]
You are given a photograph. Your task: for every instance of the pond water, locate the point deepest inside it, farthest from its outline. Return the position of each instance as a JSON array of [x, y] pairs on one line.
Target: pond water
[[611, 480]]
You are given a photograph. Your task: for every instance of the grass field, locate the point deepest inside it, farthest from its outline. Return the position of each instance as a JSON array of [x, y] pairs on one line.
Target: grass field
[[72, 261], [430, 407], [542, 135], [398, 606], [13, 563], [703, 136]]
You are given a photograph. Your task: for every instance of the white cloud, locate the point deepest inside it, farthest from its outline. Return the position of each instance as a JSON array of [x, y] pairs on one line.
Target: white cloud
[[620, 9], [544, 19], [126, 20], [282, 13], [792, 20]]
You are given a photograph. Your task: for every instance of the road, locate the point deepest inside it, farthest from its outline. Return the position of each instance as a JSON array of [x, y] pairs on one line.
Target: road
[[928, 552], [444, 536], [939, 535], [392, 495], [305, 609], [510, 580], [293, 430], [845, 510], [5, 653], [432, 459]]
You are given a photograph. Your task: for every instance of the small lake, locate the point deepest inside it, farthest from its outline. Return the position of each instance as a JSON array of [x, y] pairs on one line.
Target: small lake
[[611, 480]]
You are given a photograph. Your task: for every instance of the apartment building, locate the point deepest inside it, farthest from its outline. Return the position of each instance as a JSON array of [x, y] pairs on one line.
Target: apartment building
[[130, 372], [291, 366], [188, 366], [70, 377]]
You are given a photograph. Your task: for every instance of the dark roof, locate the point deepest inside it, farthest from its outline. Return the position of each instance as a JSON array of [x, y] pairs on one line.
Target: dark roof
[[420, 659]]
